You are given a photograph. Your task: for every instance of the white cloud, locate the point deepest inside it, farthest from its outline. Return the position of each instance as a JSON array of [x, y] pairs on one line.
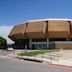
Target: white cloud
[[4, 32]]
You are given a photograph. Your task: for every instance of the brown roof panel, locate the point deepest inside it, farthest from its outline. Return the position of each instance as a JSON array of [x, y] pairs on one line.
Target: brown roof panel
[[18, 31], [71, 29], [42, 29], [36, 29], [58, 29]]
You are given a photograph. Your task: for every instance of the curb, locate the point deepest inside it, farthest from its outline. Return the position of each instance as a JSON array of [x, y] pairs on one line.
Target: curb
[[40, 61], [30, 59], [34, 60], [63, 66]]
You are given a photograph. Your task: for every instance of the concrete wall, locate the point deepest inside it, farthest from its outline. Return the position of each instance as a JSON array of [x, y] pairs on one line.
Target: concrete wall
[[63, 45]]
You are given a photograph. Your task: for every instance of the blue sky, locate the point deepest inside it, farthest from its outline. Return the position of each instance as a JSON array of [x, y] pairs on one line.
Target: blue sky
[[13, 12]]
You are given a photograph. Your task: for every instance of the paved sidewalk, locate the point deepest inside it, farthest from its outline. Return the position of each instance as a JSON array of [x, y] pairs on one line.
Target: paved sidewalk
[[64, 58]]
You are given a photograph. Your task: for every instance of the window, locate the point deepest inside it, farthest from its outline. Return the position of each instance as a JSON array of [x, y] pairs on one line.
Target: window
[[57, 39]]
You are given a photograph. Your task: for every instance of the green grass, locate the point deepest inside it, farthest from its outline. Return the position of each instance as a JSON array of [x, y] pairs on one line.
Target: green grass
[[32, 53]]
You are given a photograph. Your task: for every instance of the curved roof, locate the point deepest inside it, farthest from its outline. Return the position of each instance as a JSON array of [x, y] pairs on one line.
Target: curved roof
[[18, 31], [52, 28], [58, 29], [36, 29], [50, 19]]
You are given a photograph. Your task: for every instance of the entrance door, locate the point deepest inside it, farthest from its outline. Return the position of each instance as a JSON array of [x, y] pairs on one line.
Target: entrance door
[[39, 46]]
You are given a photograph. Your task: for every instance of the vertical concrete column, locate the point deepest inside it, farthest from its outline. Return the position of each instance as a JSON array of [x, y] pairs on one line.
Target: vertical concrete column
[[30, 43], [47, 42], [67, 39]]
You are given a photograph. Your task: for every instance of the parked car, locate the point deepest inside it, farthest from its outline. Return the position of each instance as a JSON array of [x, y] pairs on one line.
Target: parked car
[[9, 49]]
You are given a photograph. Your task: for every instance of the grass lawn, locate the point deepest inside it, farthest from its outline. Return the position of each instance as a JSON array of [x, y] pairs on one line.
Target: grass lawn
[[32, 53]]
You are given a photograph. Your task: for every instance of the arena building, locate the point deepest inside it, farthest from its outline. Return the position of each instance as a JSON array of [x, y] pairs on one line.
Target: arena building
[[43, 34]]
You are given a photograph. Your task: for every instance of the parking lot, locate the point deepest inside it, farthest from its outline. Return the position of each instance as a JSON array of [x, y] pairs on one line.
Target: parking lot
[[5, 52]]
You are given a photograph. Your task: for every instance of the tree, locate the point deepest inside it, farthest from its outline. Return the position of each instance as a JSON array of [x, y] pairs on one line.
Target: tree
[[3, 43]]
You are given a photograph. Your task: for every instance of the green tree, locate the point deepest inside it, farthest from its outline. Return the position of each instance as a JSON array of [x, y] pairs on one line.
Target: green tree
[[3, 43]]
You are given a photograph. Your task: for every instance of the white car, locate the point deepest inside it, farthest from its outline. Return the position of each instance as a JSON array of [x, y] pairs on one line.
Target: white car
[[10, 49]]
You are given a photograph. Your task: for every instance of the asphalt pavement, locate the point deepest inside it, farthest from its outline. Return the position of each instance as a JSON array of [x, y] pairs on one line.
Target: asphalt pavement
[[5, 52], [12, 65]]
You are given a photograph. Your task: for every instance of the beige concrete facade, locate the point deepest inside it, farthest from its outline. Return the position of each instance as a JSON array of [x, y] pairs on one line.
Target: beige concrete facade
[[41, 29], [58, 29], [44, 29], [36, 29]]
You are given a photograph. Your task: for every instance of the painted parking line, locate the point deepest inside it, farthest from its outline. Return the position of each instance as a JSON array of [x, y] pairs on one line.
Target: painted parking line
[[1, 56]]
